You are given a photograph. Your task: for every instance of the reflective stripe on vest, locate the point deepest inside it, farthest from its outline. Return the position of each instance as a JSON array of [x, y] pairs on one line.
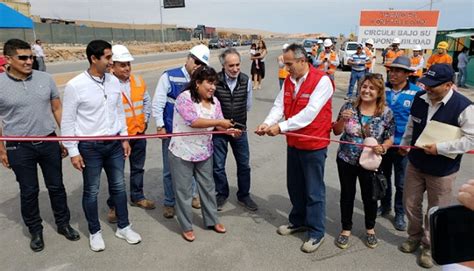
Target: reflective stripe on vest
[[369, 54], [391, 55], [321, 125], [327, 67], [133, 108], [415, 61]]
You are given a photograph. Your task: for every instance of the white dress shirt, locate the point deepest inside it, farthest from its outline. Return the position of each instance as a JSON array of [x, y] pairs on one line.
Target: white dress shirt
[[465, 121], [321, 94], [159, 100], [92, 108], [126, 90]]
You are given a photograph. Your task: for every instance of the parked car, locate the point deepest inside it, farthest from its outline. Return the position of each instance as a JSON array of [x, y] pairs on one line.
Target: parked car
[[347, 49], [308, 44], [214, 44], [228, 43], [236, 43], [246, 42]]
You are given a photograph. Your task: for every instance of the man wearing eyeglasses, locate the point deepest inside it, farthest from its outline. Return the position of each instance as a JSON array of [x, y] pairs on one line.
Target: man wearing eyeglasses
[[305, 104], [170, 85], [30, 106]]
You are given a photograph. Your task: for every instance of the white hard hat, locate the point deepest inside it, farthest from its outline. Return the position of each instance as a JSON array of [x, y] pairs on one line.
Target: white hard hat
[[285, 46], [202, 53], [396, 41], [320, 41], [327, 43], [417, 48], [369, 41], [120, 53]]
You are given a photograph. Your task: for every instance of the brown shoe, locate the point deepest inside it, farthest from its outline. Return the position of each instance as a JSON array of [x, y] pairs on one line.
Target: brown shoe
[[111, 216], [196, 203], [168, 212], [425, 258], [144, 203], [409, 246]]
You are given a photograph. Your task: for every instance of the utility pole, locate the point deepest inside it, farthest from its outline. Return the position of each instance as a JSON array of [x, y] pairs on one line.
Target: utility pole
[[161, 22], [431, 4]]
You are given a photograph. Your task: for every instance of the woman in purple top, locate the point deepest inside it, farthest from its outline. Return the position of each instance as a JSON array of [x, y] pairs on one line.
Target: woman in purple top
[[196, 110]]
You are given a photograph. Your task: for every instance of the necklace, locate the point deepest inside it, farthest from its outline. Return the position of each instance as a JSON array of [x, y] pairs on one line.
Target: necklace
[[99, 83]]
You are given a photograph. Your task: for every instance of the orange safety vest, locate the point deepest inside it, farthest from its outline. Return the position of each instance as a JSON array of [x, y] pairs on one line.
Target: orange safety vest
[[283, 73], [438, 59], [415, 61], [134, 107], [391, 55], [331, 69], [370, 55]]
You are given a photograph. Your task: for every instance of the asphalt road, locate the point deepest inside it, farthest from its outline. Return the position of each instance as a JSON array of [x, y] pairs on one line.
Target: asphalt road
[[251, 242]]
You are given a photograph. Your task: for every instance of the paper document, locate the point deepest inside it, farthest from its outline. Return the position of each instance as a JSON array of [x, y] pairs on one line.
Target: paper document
[[438, 132]]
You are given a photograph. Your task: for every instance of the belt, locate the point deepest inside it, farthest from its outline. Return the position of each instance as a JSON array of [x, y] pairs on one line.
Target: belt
[[33, 142]]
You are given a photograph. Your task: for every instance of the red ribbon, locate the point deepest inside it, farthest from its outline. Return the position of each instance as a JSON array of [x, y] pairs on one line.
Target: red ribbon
[[147, 136]]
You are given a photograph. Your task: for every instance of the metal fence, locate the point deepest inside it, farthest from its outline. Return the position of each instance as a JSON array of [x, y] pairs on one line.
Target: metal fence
[[61, 33]]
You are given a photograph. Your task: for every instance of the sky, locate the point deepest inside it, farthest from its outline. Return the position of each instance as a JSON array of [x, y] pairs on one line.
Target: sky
[[291, 16]]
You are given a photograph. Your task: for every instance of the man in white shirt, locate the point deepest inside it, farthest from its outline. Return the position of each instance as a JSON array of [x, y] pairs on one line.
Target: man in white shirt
[[170, 85], [39, 55], [305, 103], [428, 168], [93, 107]]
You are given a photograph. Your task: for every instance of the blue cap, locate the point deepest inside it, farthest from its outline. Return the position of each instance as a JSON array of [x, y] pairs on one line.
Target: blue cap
[[437, 75]]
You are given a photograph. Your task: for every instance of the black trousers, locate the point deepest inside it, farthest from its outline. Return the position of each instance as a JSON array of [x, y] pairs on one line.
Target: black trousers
[[24, 158], [348, 175]]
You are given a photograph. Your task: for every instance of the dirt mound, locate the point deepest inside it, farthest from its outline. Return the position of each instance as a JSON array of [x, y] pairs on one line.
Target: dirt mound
[[69, 52]]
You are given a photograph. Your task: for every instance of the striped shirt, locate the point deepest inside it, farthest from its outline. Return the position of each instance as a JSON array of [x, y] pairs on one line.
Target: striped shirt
[[359, 61]]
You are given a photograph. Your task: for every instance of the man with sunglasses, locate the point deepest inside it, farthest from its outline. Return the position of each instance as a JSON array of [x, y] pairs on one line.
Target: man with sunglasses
[[30, 106], [429, 168], [170, 85]]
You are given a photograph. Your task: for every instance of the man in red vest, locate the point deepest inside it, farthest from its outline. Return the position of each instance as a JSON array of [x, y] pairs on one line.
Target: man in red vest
[[137, 107], [305, 103]]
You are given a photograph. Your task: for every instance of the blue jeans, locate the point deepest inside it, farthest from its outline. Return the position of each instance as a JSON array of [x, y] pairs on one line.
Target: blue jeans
[[240, 148], [137, 163], [305, 183], [399, 163], [24, 158], [169, 199], [109, 156], [355, 77], [462, 76]]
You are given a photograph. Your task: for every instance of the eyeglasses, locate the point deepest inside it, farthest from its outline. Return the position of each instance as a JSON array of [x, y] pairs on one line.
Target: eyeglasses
[[24, 57], [197, 61]]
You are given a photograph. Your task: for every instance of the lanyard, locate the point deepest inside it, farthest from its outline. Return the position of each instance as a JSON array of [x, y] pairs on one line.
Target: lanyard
[[100, 84]]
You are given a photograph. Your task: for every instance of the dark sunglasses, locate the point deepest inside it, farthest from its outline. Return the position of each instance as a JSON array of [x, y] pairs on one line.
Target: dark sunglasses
[[24, 57], [197, 61]]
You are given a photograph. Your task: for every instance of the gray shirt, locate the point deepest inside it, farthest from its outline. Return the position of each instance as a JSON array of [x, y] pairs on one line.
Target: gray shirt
[[25, 105]]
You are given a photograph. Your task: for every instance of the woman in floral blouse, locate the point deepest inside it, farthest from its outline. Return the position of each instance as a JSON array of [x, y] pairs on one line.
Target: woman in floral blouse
[[196, 109], [368, 116]]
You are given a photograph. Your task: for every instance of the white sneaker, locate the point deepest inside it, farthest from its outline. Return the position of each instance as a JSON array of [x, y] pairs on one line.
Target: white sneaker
[[129, 235], [96, 241]]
